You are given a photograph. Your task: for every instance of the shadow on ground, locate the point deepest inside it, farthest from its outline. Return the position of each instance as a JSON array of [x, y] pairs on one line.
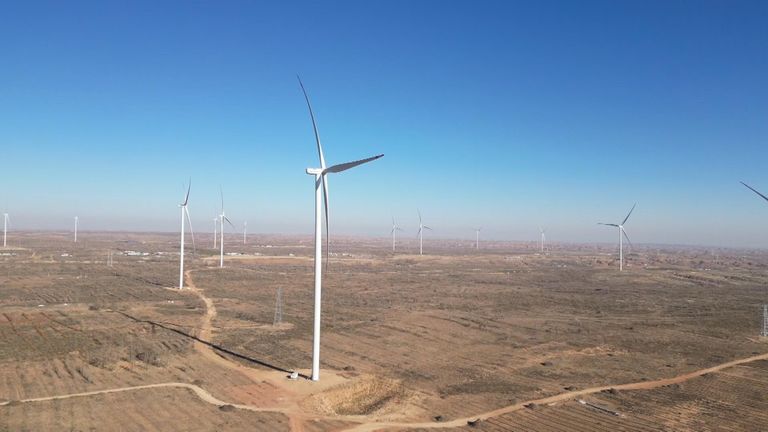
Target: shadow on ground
[[166, 326]]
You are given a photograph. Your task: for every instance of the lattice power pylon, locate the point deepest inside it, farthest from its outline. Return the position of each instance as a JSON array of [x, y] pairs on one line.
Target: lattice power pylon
[[764, 332], [278, 307]]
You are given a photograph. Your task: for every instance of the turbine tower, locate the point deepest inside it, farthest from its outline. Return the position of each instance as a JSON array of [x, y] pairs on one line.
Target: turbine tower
[[422, 227], [321, 179], [543, 237], [184, 215], [5, 229], [395, 229], [245, 229], [76, 229], [622, 234], [477, 238], [222, 218]]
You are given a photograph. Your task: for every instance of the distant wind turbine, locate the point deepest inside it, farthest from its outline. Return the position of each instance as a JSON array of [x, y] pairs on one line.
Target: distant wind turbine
[[477, 237], [223, 217], [76, 218], [5, 229], [321, 179], [184, 216], [422, 227], [245, 229], [622, 234], [395, 229], [543, 232]]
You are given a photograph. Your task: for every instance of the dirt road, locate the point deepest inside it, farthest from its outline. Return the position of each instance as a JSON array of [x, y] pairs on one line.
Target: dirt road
[[199, 391]]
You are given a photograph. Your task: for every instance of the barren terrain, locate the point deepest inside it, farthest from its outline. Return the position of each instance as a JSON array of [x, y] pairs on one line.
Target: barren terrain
[[515, 339]]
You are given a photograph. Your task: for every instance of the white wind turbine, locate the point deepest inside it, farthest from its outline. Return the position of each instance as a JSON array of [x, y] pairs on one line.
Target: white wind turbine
[[222, 218], [76, 219], [321, 179], [245, 229], [184, 215], [5, 229], [622, 234], [422, 227], [765, 308], [395, 229], [543, 232], [477, 237]]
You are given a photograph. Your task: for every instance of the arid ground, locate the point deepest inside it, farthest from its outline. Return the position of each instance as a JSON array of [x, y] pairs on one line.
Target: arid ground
[[504, 338]]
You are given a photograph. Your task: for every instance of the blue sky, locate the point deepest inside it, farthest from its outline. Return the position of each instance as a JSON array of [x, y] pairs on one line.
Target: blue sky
[[508, 115]]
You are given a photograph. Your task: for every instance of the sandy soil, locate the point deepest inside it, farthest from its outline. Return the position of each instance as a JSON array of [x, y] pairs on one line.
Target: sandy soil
[[410, 342]]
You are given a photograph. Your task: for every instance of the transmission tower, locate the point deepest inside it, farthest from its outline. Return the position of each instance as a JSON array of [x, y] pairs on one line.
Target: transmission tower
[[764, 332], [278, 307]]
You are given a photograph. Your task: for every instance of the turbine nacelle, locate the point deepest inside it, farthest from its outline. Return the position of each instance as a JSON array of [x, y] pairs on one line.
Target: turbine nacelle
[[315, 171]]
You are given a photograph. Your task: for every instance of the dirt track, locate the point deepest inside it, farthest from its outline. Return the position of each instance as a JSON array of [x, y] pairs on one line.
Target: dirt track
[[203, 394]]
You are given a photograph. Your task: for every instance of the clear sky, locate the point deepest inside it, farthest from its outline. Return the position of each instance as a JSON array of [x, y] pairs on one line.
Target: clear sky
[[507, 115]]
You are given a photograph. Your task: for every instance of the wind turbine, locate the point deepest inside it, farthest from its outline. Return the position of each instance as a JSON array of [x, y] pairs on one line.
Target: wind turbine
[[321, 179], [76, 229], [422, 227], [543, 232], [215, 230], [5, 229], [477, 238], [765, 307], [395, 229], [245, 229], [622, 234], [222, 218], [184, 214]]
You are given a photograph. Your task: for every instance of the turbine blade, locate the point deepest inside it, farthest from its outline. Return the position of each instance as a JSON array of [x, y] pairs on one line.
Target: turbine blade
[[345, 166], [426, 227], [755, 191], [230, 223], [630, 212], [186, 197], [314, 124], [626, 237], [418, 233], [221, 192], [419, 212], [327, 222], [613, 225], [189, 221]]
